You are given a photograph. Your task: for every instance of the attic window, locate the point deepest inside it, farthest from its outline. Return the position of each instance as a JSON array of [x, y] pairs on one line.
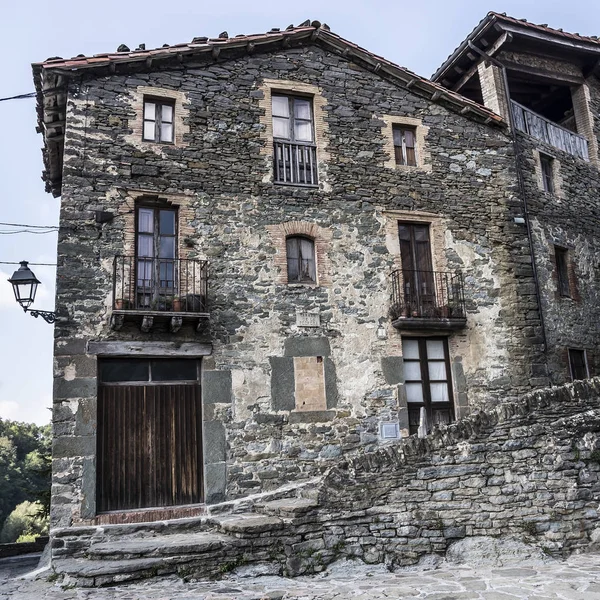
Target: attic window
[[158, 120], [405, 145]]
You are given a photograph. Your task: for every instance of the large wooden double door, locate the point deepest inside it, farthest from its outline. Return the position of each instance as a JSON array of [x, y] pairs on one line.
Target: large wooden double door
[[149, 450]]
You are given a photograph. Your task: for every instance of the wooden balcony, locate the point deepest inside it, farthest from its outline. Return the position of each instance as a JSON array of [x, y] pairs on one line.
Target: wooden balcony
[[151, 291], [427, 300], [548, 132]]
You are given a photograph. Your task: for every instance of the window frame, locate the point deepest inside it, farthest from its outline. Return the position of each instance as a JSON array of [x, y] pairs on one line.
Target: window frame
[[402, 147], [156, 290], [547, 170], [148, 361], [291, 98], [583, 354], [561, 261], [426, 381], [158, 102], [299, 238]]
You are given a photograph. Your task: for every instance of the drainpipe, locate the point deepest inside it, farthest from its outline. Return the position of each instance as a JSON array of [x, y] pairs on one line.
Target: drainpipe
[[522, 193]]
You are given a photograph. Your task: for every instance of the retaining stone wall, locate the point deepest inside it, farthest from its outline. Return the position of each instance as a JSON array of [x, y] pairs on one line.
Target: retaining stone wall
[[528, 469]]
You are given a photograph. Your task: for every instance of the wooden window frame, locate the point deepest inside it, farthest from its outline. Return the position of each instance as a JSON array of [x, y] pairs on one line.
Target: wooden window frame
[[570, 352], [291, 106], [150, 380], [561, 259], [309, 281], [400, 150], [159, 103], [547, 170], [425, 380], [157, 207]]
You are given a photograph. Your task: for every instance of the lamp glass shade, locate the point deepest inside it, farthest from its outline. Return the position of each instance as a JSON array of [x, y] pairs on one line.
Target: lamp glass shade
[[24, 284]]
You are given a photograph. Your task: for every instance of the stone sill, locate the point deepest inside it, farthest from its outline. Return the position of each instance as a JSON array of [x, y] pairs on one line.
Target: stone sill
[[429, 323]]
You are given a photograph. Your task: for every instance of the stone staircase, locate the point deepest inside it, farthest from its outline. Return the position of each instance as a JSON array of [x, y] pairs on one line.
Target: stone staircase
[[255, 532]]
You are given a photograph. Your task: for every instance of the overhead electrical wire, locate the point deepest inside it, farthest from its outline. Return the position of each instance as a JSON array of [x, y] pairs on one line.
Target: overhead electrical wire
[[27, 231], [8, 262], [19, 97], [30, 226]]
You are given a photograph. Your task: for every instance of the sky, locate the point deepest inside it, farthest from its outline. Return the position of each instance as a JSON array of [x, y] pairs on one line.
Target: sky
[[416, 35]]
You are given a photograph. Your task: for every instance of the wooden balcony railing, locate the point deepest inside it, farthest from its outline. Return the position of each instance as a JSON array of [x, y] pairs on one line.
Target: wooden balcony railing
[[158, 285], [548, 132], [295, 163], [428, 298]]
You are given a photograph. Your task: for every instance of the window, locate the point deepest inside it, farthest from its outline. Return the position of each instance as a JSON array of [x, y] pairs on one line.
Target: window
[[148, 370], [294, 150], [578, 364], [417, 271], [156, 234], [427, 381], [405, 145], [561, 257], [300, 260], [158, 120], [546, 163]]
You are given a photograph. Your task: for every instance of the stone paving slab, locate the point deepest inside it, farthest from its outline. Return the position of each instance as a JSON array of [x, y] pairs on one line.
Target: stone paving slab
[[577, 578]]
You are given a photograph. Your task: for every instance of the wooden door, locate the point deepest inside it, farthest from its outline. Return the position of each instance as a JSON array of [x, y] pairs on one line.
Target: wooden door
[[417, 270], [149, 450]]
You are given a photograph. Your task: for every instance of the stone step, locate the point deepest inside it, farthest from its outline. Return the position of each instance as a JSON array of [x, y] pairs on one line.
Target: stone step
[[247, 524], [86, 572], [157, 546], [287, 508]]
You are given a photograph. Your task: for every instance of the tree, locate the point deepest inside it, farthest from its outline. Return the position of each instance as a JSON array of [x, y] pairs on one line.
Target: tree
[[24, 465], [26, 520]]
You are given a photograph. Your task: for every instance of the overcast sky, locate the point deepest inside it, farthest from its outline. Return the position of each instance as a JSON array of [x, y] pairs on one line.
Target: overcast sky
[[417, 35]]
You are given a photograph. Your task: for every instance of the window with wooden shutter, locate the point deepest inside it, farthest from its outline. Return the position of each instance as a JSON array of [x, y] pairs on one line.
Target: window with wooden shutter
[[561, 257], [546, 163], [405, 152]]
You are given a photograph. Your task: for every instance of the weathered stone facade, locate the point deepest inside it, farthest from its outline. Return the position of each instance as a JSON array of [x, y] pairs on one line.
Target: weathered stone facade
[[284, 401]]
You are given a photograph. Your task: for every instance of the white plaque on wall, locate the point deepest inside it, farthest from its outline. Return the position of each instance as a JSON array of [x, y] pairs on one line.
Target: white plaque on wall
[[305, 318]]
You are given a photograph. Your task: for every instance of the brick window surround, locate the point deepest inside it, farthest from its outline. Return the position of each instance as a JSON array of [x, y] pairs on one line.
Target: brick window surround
[[321, 238], [436, 235], [557, 181], [286, 87], [391, 122], [129, 199], [570, 288], [180, 116]]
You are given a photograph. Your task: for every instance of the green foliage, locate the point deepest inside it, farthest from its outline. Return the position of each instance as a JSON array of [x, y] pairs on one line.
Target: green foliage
[[25, 464], [26, 520]]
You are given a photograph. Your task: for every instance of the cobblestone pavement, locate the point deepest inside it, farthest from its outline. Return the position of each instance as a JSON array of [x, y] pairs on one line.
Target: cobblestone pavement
[[577, 578]]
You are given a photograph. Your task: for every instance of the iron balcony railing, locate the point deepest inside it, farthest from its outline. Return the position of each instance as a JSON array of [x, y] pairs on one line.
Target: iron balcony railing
[[160, 284], [295, 163], [551, 133], [427, 294]]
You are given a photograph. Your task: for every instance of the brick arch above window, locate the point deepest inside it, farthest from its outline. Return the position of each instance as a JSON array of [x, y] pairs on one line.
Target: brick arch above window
[[321, 237]]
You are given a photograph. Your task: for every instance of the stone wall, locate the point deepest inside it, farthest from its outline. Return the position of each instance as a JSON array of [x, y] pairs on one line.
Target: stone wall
[[221, 178], [527, 470]]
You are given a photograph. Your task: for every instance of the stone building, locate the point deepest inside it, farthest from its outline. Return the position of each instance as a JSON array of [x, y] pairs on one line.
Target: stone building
[[279, 249]]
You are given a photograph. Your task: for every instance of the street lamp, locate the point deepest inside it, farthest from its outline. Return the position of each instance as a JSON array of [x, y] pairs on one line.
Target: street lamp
[[25, 284]]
